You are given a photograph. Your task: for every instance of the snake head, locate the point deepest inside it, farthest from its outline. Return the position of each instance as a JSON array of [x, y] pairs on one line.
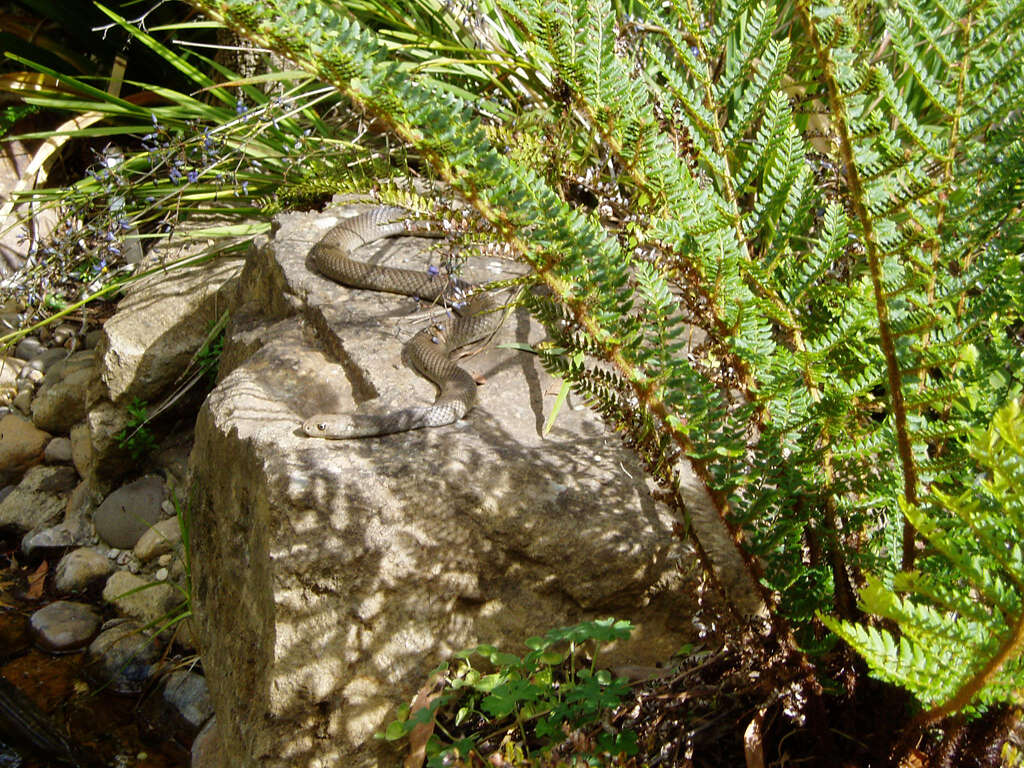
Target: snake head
[[316, 426]]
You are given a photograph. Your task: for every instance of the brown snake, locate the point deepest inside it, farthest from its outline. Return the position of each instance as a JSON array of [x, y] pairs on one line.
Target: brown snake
[[429, 351]]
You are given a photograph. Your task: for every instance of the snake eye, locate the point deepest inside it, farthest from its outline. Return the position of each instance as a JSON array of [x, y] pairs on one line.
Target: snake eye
[[322, 427]]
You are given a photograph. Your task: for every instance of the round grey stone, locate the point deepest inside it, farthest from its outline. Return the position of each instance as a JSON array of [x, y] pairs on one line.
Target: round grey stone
[[51, 356], [151, 602], [21, 446], [9, 367], [186, 693], [23, 401], [35, 364], [158, 540], [80, 568], [129, 511], [64, 626], [206, 747], [179, 707], [53, 538], [92, 338], [10, 321], [58, 451], [122, 656], [62, 333], [28, 348], [63, 399]]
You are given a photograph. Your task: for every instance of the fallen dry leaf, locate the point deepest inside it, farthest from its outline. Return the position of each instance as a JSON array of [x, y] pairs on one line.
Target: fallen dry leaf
[[36, 582], [753, 742], [420, 734]]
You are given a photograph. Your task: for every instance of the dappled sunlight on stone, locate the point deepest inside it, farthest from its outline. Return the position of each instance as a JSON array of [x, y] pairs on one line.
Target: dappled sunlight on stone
[[331, 576]]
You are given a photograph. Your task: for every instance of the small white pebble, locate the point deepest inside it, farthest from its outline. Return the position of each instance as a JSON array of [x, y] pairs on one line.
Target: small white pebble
[[162, 574]]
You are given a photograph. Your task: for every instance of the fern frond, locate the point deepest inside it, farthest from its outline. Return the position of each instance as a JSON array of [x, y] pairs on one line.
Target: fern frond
[[952, 655]]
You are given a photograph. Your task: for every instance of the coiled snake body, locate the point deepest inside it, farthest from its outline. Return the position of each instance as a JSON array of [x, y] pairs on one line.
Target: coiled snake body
[[429, 351]]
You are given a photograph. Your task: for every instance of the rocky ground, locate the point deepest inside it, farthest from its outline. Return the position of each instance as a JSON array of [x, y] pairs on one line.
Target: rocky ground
[[93, 570]]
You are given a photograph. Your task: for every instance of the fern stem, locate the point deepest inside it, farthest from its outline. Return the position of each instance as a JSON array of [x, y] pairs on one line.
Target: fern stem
[[934, 243], [1010, 649], [886, 341]]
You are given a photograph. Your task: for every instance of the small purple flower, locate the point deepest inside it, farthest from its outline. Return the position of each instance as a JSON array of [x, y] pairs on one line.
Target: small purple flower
[[245, 187], [240, 108], [155, 123], [193, 176], [175, 175], [433, 271]]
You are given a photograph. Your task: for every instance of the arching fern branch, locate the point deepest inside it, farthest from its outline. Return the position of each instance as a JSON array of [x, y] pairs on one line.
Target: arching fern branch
[[793, 340], [961, 615]]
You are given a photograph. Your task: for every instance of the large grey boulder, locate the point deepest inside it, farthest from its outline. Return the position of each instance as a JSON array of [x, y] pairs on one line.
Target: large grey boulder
[[146, 346], [160, 324], [330, 577]]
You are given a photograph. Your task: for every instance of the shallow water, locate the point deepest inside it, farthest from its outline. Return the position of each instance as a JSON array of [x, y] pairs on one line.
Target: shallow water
[[104, 723]]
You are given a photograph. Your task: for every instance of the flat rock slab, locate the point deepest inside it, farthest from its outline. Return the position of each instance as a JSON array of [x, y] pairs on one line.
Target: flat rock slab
[[331, 576]]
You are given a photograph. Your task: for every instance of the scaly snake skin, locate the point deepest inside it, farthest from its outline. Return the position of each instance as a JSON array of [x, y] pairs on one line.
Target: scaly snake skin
[[429, 351]]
